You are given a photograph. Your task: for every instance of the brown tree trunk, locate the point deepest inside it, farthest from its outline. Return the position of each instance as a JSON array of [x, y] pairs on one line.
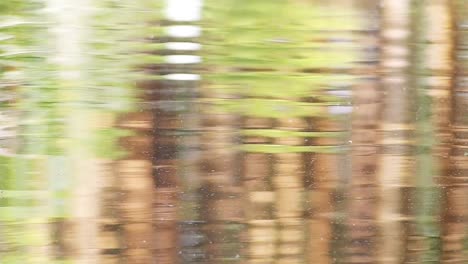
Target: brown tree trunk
[[222, 204], [326, 177], [431, 75], [327, 171], [362, 226], [166, 179], [145, 208], [257, 174], [109, 241], [135, 189], [192, 235], [362, 191], [455, 180], [288, 182]]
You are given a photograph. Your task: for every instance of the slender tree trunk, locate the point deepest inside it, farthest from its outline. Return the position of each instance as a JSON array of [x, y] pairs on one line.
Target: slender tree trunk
[[327, 172], [146, 175], [110, 221], [362, 226], [135, 191], [430, 74], [166, 171], [417, 198], [454, 182], [70, 33], [191, 222], [396, 164], [221, 191], [259, 212], [184, 238], [323, 189], [363, 185], [288, 181]]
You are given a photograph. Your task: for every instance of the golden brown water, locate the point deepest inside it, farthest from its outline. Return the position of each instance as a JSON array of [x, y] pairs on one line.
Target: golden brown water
[[231, 131]]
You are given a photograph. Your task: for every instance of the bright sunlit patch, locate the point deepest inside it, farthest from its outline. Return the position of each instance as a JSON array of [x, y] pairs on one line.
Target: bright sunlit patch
[[182, 77], [341, 93], [340, 109], [182, 59], [188, 46], [183, 31], [183, 10]]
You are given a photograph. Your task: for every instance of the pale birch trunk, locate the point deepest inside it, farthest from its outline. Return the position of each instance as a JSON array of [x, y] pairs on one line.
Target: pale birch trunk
[[69, 33], [396, 130]]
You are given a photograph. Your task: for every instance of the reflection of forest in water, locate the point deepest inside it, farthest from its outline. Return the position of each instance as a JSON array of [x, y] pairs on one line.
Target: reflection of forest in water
[[286, 131]]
